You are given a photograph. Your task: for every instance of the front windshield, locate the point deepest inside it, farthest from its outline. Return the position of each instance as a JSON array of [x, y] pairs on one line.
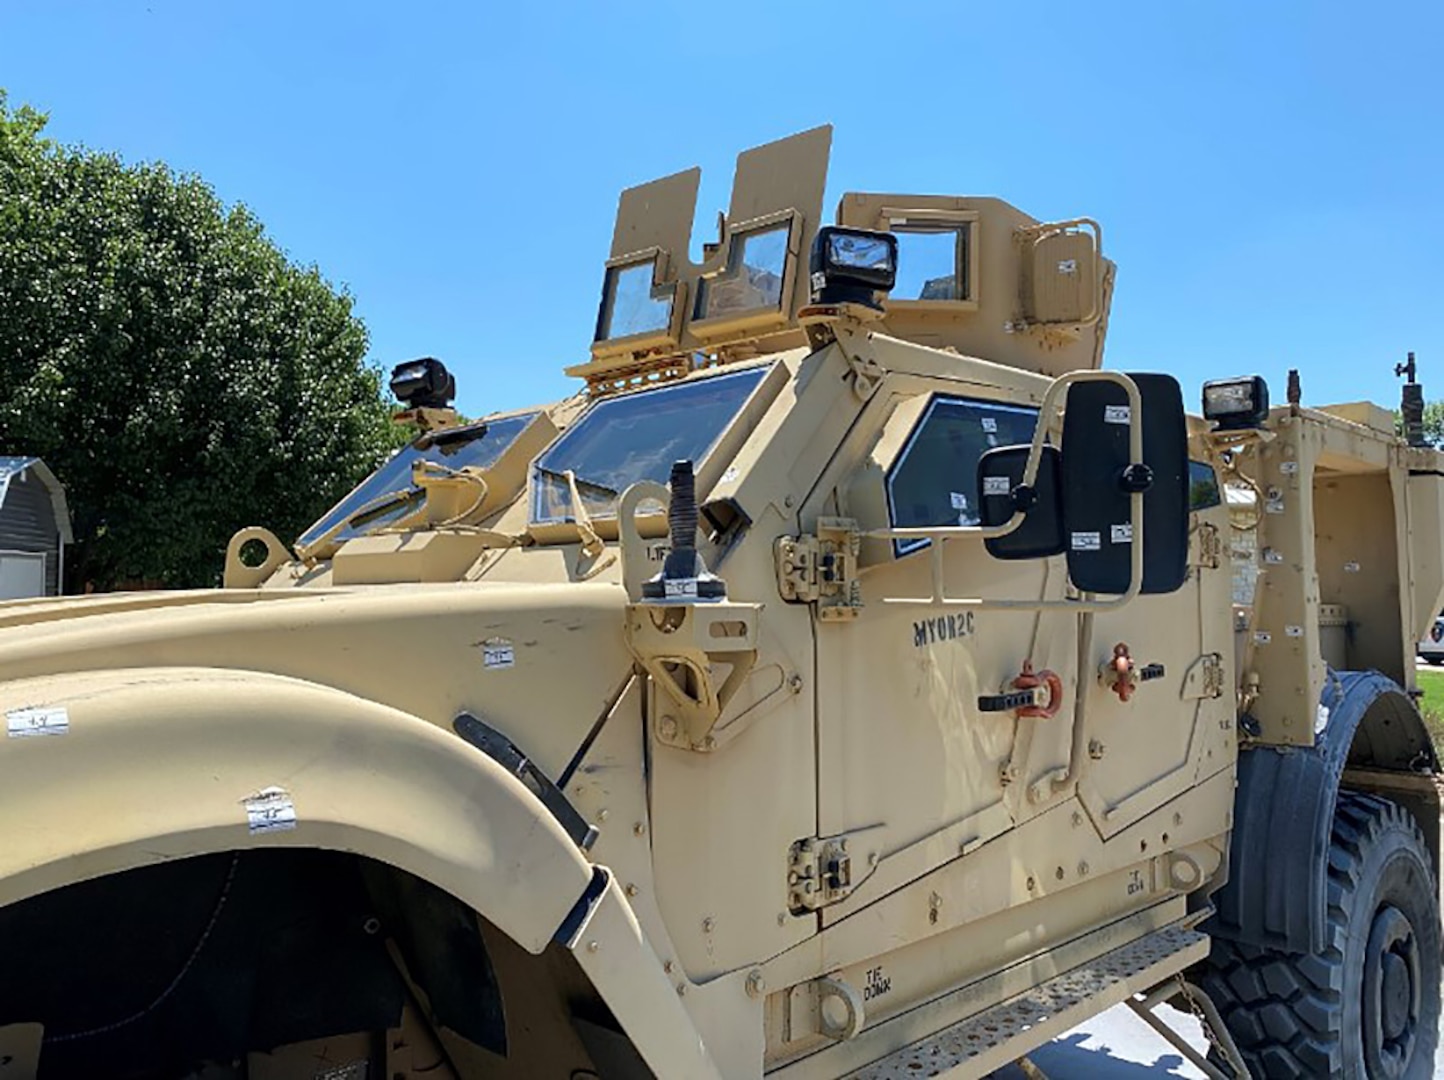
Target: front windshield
[[623, 440], [476, 446]]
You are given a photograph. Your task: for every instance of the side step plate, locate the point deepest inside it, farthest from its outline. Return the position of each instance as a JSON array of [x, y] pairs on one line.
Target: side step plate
[[976, 1046]]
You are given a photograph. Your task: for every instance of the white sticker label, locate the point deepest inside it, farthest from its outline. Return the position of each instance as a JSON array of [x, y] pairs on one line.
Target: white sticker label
[[1351, 568], [680, 587], [23, 723], [819, 281], [1293, 631], [958, 500], [997, 485], [1067, 266], [270, 810], [1087, 541], [1262, 637], [1288, 468], [1122, 534], [497, 653], [1116, 414], [989, 424]]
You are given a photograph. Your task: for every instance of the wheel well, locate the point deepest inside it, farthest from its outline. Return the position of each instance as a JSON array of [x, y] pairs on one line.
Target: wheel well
[[1373, 740], [215, 959]]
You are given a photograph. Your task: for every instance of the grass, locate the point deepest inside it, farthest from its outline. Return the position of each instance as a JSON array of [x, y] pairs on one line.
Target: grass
[[1432, 705]]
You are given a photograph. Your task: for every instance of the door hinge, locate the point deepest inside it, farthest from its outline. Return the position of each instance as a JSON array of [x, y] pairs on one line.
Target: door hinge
[[819, 872], [822, 569], [1208, 547], [1204, 677]]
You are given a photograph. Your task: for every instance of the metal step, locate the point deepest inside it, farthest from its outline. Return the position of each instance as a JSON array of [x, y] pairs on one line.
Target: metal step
[[976, 1046]]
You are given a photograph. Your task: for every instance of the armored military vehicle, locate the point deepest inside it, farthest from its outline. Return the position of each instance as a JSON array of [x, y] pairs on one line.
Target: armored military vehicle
[[859, 680]]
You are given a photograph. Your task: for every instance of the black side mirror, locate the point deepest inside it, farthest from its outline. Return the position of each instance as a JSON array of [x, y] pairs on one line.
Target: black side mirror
[[1000, 484], [1098, 479]]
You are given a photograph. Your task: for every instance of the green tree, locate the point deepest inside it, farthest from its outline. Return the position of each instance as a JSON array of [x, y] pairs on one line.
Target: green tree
[[180, 375]]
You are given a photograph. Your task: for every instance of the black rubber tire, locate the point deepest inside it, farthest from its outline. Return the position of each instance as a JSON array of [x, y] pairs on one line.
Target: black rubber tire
[[1297, 1015]]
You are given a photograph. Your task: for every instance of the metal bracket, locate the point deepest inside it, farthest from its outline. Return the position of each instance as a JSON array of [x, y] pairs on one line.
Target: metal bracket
[[679, 646], [1207, 547], [1203, 1009], [822, 569], [1204, 677]]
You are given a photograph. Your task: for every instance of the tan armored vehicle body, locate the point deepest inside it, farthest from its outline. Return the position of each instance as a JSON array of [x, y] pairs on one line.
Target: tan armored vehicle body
[[857, 680]]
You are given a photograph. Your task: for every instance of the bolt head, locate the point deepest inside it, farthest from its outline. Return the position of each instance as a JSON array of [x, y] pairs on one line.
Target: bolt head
[[592, 946], [639, 829], [708, 924], [632, 890], [756, 984], [668, 727]]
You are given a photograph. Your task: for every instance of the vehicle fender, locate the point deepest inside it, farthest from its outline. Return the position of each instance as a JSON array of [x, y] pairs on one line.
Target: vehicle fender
[[1276, 891], [106, 771]]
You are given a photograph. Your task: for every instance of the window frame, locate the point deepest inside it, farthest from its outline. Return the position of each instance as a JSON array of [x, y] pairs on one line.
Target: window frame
[[967, 225], [901, 548]]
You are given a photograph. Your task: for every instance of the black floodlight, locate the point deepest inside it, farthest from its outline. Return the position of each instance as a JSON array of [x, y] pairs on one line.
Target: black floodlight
[[423, 384], [1236, 403], [851, 266]]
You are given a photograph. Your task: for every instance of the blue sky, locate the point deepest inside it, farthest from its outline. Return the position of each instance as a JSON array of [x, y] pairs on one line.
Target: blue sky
[[1268, 176]]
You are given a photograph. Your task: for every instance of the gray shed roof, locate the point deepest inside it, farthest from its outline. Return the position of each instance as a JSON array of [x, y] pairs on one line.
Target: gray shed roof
[[11, 467]]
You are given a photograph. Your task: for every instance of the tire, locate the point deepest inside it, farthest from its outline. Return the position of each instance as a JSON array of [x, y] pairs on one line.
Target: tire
[[1434, 661], [1367, 1006]]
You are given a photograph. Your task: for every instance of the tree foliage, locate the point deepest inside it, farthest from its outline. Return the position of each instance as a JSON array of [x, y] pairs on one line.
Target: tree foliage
[[180, 375]]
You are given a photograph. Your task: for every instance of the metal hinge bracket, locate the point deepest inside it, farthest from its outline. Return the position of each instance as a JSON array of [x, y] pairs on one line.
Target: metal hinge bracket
[[824, 870], [822, 569], [1208, 547]]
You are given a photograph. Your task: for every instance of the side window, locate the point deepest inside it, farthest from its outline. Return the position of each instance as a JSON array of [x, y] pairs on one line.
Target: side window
[[935, 479], [1203, 490], [932, 263]]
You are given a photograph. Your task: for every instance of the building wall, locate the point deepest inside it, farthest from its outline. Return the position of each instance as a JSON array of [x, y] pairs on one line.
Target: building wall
[[27, 523]]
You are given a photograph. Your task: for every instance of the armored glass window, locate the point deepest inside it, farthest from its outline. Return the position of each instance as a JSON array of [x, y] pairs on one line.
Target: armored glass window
[[935, 479], [631, 304], [932, 264], [753, 279], [622, 440], [1203, 491], [476, 446]]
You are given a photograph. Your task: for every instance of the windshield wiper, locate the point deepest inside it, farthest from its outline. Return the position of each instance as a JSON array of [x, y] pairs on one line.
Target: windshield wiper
[[570, 478], [452, 437], [371, 511]]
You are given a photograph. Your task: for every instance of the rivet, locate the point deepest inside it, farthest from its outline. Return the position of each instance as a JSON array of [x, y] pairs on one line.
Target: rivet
[[708, 924], [782, 918], [1178, 819], [668, 727], [632, 890], [788, 502], [639, 829], [1032, 884], [681, 989], [872, 858], [603, 814], [756, 984], [668, 967], [592, 946], [1082, 869], [1077, 819], [795, 684]]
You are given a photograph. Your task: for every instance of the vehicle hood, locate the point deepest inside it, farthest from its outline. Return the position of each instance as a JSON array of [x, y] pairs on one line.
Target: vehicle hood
[[540, 663]]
